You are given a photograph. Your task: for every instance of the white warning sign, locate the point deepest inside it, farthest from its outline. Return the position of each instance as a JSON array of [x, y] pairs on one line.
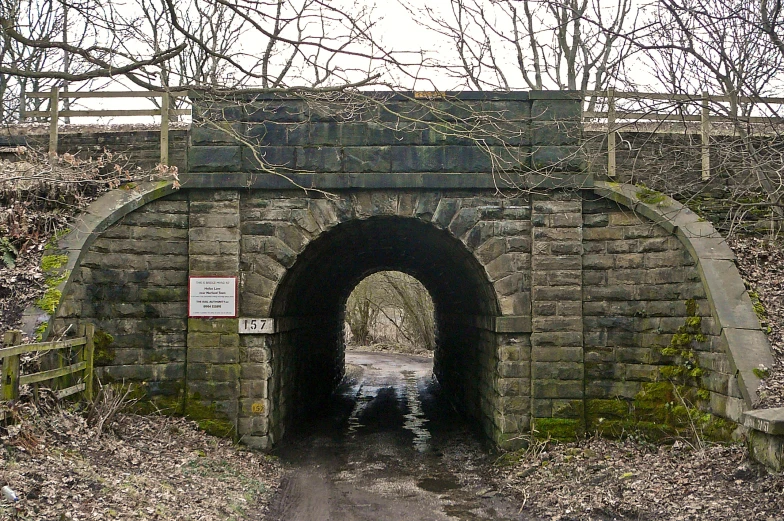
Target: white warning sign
[[212, 297]]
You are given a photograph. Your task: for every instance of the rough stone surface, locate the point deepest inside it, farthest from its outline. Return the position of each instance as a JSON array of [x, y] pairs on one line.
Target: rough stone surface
[[589, 292]]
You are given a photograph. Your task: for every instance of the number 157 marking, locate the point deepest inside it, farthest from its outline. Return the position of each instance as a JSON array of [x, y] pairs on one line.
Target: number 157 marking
[[258, 326]]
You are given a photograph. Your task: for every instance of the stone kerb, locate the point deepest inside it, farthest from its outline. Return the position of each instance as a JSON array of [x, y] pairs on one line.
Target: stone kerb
[[96, 218]]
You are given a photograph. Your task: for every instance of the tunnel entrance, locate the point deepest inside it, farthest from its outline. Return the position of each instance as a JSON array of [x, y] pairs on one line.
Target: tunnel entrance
[[390, 311], [308, 352]]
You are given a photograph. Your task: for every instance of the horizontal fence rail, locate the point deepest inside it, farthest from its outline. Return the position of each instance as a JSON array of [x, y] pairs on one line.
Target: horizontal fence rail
[[684, 108], [54, 113], [617, 117], [74, 360]]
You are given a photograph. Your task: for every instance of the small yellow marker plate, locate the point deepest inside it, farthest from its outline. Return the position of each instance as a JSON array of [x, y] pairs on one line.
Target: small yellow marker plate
[[257, 408]]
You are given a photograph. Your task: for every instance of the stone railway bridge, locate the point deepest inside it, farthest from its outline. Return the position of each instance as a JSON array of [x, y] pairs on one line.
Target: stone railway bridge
[[563, 303]]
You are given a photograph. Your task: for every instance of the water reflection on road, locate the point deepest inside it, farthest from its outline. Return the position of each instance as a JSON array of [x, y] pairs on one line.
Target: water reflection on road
[[389, 447]]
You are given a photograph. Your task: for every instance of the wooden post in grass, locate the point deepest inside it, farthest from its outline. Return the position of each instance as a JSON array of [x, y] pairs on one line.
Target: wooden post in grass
[[54, 108], [705, 128], [88, 352], [10, 386], [165, 129], [611, 165]]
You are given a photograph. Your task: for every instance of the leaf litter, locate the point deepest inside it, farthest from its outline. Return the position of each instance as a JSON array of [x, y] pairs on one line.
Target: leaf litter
[[601, 479], [140, 467], [761, 265]]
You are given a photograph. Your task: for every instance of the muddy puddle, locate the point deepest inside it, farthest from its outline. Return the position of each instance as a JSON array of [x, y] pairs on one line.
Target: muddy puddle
[[389, 447]]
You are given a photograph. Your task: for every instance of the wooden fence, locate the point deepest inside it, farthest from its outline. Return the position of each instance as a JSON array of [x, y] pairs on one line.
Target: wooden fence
[[618, 118], [75, 358], [54, 113]]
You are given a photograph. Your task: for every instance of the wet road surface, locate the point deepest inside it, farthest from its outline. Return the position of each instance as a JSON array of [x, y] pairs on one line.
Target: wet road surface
[[389, 447]]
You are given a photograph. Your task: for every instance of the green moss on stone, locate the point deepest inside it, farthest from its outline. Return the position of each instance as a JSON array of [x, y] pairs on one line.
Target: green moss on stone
[[103, 355], [691, 307], [560, 429], [606, 409], [53, 262], [647, 430], [160, 404], [648, 196], [207, 417], [670, 372], [693, 322], [650, 403], [50, 300], [52, 295], [670, 351], [40, 331], [51, 244], [571, 409], [219, 428], [717, 429]]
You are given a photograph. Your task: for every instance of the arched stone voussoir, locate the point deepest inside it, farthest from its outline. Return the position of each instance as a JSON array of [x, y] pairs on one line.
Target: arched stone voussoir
[[747, 345], [96, 218]]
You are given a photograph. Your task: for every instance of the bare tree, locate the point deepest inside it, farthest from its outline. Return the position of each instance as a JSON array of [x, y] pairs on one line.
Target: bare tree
[[97, 55], [391, 307], [39, 21], [509, 44], [722, 47]]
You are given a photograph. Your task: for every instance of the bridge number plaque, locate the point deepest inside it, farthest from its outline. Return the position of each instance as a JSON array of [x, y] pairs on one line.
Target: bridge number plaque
[[212, 297], [257, 326]]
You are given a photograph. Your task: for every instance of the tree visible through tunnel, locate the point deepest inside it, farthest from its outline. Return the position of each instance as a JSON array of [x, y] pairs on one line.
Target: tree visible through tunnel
[[390, 311]]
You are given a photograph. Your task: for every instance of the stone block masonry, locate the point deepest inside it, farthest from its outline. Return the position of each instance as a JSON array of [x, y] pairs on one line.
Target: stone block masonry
[[214, 365], [390, 133], [551, 307], [557, 323], [132, 284]]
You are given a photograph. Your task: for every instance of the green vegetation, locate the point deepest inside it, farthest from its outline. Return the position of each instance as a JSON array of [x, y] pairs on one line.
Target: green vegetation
[[681, 347], [665, 410], [8, 252], [103, 355], [50, 300], [51, 244], [50, 263], [207, 417], [559, 429], [759, 310], [648, 196]]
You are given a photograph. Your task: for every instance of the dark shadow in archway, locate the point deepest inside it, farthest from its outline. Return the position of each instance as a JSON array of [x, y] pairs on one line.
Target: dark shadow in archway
[[308, 352]]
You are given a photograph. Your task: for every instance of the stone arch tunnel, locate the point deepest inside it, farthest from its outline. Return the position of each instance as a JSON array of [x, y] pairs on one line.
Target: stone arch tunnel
[[320, 281], [555, 294]]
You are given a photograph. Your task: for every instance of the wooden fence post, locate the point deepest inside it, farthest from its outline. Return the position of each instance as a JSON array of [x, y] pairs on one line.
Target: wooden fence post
[[11, 367], [22, 106], [54, 108], [705, 120], [165, 129], [611, 166], [88, 352]]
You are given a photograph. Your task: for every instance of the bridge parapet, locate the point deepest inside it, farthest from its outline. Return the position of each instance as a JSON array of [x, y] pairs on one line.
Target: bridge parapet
[[523, 137]]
